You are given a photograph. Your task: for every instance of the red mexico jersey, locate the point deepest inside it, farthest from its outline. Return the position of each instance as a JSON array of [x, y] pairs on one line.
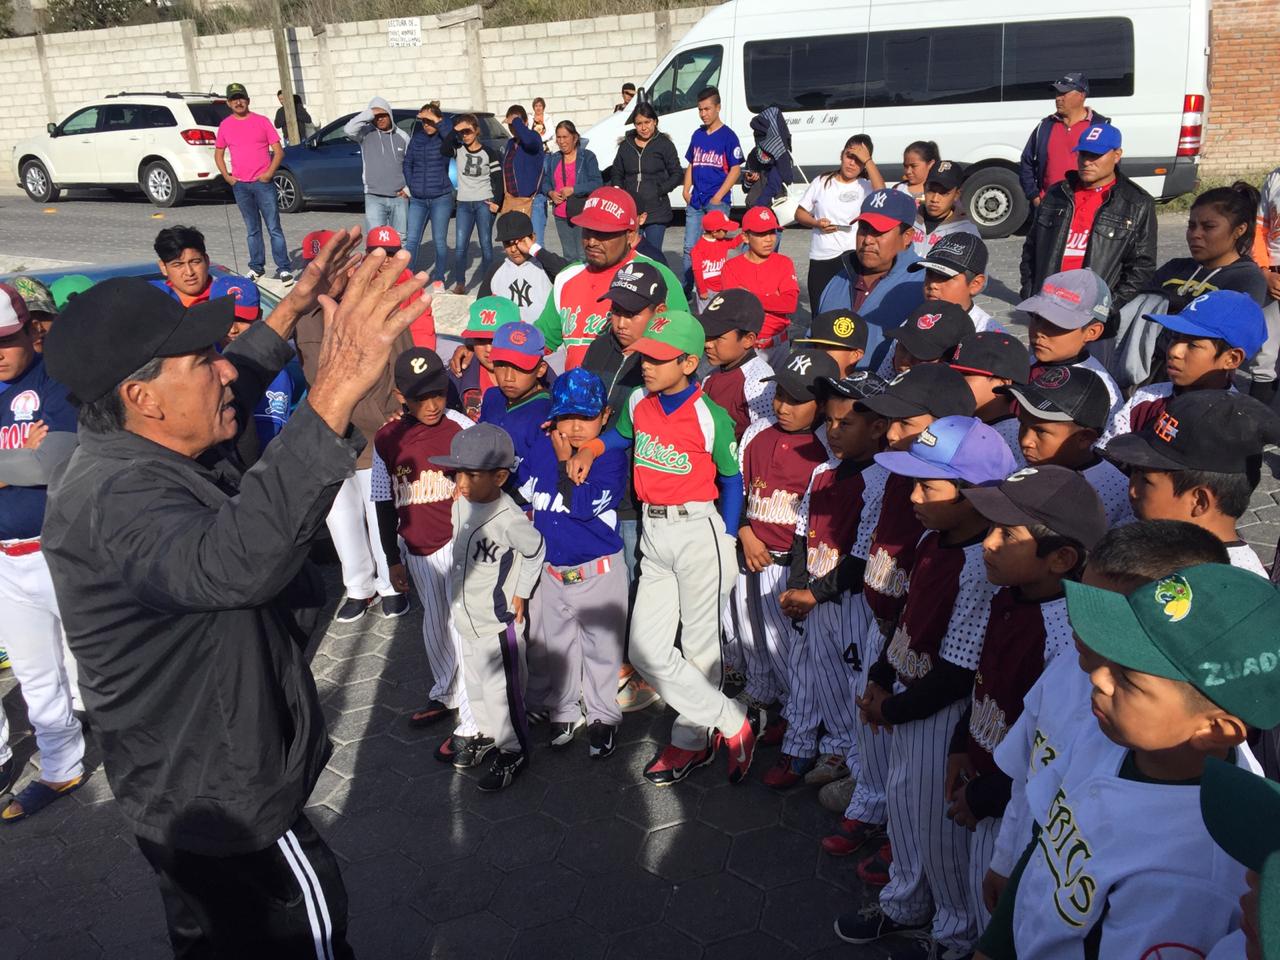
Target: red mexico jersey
[[893, 547], [831, 513], [677, 456], [776, 469], [421, 491]]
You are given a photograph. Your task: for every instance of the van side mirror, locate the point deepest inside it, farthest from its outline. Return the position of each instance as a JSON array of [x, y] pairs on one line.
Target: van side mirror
[[52, 129], [642, 95], [312, 142]]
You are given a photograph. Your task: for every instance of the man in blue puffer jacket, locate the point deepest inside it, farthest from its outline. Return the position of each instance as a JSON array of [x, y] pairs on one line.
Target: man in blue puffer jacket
[[426, 174]]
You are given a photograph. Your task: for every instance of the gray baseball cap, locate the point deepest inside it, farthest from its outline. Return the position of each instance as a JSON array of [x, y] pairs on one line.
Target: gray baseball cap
[[1071, 299], [482, 447]]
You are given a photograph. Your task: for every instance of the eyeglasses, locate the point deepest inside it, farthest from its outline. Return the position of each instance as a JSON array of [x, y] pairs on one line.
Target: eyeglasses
[[428, 122], [464, 131]]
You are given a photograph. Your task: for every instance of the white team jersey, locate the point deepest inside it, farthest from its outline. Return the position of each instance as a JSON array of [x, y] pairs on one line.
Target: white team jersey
[[1242, 556], [873, 479], [1134, 857], [756, 390], [983, 321], [1112, 487], [1007, 427]]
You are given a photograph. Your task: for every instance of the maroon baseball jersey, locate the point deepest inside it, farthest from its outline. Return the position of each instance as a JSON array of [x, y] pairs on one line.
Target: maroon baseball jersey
[[892, 549], [1142, 409], [831, 513], [1022, 636], [946, 611], [776, 468], [743, 392], [422, 492]]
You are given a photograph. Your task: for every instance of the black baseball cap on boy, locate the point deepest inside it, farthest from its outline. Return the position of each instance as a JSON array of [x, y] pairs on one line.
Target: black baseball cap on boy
[[933, 329], [858, 385], [932, 388], [1052, 496], [732, 310], [637, 286], [946, 174], [513, 225], [842, 329], [1063, 393], [953, 255], [418, 372], [993, 354], [805, 373]]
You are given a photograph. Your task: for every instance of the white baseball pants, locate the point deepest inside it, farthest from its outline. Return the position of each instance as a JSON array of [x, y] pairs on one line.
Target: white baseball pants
[[824, 666], [430, 575], [353, 527], [869, 759], [982, 844], [765, 635]]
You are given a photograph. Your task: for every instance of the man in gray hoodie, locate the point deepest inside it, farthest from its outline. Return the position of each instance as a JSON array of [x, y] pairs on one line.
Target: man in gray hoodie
[[382, 147]]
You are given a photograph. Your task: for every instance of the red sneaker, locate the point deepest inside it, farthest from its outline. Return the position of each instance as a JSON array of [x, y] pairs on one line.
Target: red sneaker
[[773, 733], [874, 871], [742, 745], [674, 764], [787, 772], [851, 836]]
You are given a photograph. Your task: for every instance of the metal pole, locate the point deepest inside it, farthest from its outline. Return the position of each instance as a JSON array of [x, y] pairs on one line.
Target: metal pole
[[292, 130]]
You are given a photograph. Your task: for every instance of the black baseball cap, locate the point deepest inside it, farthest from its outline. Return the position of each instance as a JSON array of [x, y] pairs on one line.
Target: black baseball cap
[[945, 173], [732, 310], [842, 329], [804, 373], [932, 388], [1211, 430], [954, 254], [121, 324], [933, 329], [1064, 394], [418, 372], [513, 225], [858, 385], [1052, 496], [1072, 81], [994, 354], [636, 286]]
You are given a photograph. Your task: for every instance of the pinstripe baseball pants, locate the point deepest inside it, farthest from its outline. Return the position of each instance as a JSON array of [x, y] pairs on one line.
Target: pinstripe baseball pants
[[824, 666], [982, 844], [430, 575], [765, 635], [930, 871], [869, 759]]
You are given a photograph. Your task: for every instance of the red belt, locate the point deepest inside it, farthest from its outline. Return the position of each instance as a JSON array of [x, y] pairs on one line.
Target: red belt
[[20, 549], [578, 574]]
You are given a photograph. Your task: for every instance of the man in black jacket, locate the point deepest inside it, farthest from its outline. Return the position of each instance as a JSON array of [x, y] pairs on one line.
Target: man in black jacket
[[1096, 218], [180, 578]]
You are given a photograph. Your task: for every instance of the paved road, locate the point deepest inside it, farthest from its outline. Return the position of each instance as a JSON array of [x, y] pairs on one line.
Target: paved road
[[580, 859]]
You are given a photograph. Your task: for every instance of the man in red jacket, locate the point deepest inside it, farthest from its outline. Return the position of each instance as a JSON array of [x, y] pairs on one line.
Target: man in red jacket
[[770, 276]]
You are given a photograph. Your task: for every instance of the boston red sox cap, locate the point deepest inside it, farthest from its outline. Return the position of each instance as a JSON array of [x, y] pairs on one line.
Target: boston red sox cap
[[419, 371], [1056, 497], [804, 372], [1063, 393], [933, 329], [994, 354], [734, 309], [932, 388]]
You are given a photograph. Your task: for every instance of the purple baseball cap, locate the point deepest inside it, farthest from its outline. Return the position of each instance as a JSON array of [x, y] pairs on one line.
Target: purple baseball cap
[[954, 448]]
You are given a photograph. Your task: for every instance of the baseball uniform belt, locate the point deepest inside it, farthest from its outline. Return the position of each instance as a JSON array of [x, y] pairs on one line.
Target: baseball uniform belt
[[781, 559], [20, 548], [674, 512], [586, 571]]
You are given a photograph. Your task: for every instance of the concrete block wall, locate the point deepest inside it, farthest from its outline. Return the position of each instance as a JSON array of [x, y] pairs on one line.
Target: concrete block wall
[[23, 108], [1244, 87], [85, 65]]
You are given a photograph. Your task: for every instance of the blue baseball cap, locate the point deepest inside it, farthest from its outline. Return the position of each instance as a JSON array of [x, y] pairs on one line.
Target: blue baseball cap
[[1221, 315], [245, 292], [519, 344], [579, 392], [888, 208], [954, 448], [1098, 138], [1075, 80]]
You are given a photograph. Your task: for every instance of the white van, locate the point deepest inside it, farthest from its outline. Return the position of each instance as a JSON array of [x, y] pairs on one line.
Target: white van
[[972, 77]]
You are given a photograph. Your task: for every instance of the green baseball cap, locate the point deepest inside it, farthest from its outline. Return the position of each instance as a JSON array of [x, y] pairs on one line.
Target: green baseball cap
[[66, 287], [671, 334], [35, 295], [1212, 626], [1242, 813], [487, 314], [236, 91]]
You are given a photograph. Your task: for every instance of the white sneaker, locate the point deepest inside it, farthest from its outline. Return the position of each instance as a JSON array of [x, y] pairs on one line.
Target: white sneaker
[[835, 796], [254, 275]]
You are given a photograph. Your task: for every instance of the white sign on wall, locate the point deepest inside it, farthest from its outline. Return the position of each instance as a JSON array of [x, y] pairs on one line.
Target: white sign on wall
[[404, 32]]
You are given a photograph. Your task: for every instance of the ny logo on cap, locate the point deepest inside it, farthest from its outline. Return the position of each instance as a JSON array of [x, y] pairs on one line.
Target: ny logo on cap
[[800, 363], [384, 235], [488, 318], [1051, 378], [1166, 428], [878, 198], [1021, 475], [418, 364], [926, 321]]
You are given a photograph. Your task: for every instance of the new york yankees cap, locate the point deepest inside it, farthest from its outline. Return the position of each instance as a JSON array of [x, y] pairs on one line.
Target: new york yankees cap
[[858, 385], [486, 315], [636, 286], [954, 254], [1221, 315], [932, 388], [734, 309], [482, 447], [1071, 299], [953, 448], [842, 329], [1064, 394], [1211, 625], [887, 208], [383, 238], [804, 373], [933, 330], [243, 291], [1213, 430], [1052, 496], [513, 225], [418, 372], [993, 354]]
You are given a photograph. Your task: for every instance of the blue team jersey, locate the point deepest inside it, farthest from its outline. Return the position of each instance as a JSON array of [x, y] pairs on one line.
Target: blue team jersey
[[578, 522], [31, 397], [523, 422]]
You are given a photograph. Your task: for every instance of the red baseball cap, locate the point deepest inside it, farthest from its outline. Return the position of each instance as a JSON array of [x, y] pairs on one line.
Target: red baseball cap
[[312, 243], [386, 238], [609, 210], [759, 220], [715, 220]]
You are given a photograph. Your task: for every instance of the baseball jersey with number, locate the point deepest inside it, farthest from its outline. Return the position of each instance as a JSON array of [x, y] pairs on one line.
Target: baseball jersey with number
[[743, 391], [1112, 487], [832, 512], [678, 456], [892, 550], [1143, 408], [421, 491], [776, 469], [32, 396]]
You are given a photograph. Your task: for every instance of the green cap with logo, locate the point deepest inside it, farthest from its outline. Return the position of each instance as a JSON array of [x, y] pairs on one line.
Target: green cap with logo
[[670, 335], [237, 91], [68, 286], [1242, 813], [487, 314], [1212, 626]]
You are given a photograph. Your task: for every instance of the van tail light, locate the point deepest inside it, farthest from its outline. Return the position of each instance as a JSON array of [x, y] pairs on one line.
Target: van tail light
[[1191, 134], [207, 138]]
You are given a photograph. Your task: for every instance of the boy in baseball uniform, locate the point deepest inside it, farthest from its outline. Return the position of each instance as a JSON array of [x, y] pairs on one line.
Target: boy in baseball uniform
[[1044, 521], [578, 614], [991, 361], [484, 317], [414, 500], [1070, 312], [923, 682], [1178, 670], [497, 560], [519, 402], [739, 378]]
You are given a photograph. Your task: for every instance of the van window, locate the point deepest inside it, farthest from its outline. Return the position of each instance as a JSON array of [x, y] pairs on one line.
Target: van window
[[679, 84], [1036, 54], [910, 68], [806, 73]]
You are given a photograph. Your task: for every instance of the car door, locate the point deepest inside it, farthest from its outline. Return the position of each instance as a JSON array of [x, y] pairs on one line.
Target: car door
[[122, 141], [73, 148], [330, 165]]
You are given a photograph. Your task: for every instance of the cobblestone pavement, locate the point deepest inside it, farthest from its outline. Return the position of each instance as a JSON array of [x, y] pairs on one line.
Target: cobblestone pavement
[[579, 859]]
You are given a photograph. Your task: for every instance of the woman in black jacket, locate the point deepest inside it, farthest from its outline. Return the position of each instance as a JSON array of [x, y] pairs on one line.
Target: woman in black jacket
[[647, 163]]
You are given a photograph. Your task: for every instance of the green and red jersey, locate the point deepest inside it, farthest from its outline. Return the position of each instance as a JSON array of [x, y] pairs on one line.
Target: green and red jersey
[[677, 456]]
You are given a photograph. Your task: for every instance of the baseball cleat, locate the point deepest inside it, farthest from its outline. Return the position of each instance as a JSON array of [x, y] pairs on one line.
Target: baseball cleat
[[851, 836], [674, 764], [603, 737], [870, 924]]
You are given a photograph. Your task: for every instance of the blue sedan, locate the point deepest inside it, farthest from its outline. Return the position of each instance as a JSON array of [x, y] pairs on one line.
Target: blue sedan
[[325, 168]]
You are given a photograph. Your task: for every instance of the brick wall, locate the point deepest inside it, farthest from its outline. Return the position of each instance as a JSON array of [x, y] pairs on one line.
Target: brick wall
[[1244, 87]]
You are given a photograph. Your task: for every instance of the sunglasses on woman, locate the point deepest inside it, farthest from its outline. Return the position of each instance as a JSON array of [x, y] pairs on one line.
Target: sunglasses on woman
[[464, 131]]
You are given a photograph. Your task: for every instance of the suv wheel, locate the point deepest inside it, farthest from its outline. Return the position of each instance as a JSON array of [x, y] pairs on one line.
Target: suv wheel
[[160, 184], [37, 182], [994, 201], [288, 192]]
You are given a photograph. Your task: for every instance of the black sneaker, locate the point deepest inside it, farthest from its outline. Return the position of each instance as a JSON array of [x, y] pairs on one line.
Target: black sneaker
[[601, 735], [470, 751], [504, 769], [869, 924], [9, 773], [396, 605], [352, 609], [562, 734]]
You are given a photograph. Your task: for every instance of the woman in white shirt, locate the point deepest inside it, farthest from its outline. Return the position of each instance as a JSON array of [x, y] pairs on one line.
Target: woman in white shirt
[[829, 207]]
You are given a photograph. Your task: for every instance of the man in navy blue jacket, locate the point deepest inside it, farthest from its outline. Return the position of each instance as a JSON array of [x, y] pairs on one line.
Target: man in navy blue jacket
[[522, 158], [1047, 156], [426, 176]]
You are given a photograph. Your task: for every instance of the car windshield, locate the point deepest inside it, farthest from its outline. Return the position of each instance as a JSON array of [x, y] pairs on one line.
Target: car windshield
[[209, 114]]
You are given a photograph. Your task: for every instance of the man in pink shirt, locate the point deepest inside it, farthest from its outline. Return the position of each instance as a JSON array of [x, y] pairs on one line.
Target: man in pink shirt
[[256, 153], [1049, 152]]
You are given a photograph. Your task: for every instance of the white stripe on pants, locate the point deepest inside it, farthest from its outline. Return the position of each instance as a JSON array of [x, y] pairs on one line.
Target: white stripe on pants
[[869, 760], [982, 844], [929, 875], [443, 645], [312, 895], [765, 633], [353, 528], [822, 679], [686, 571], [32, 633]]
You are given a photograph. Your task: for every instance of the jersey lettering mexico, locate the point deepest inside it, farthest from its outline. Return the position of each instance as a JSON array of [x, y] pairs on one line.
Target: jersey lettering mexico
[[776, 469], [892, 549], [422, 492], [30, 397], [677, 456], [831, 514]]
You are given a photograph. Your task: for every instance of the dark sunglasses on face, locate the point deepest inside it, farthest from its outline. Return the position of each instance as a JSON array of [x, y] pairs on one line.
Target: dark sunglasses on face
[[852, 156], [428, 121], [464, 131]]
